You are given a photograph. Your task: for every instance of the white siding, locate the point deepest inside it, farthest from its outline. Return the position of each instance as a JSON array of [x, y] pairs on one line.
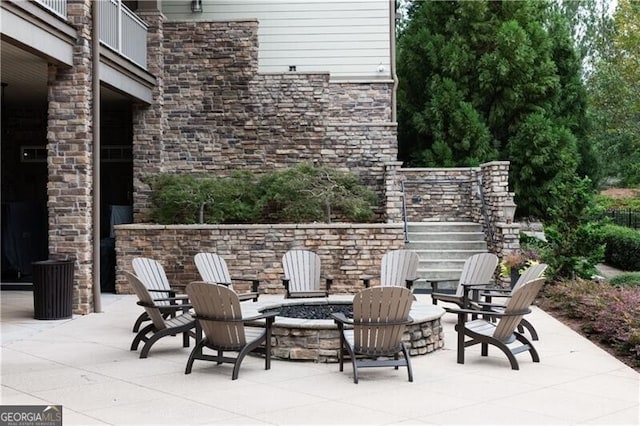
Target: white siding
[[348, 38]]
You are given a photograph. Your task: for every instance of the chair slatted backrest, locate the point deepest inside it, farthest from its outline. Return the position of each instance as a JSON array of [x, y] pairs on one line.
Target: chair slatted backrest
[[145, 298], [374, 311], [520, 300], [212, 268], [220, 303], [152, 275], [478, 269], [302, 269], [397, 267], [531, 273]]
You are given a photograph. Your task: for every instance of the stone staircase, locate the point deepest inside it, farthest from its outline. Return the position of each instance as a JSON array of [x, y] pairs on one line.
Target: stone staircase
[[443, 247]]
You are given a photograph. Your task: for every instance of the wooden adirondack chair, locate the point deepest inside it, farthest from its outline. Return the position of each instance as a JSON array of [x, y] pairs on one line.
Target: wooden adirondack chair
[[213, 269], [398, 268], [160, 325], [151, 273], [531, 273], [302, 275], [380, 315], [503, 332], [477, 269], [219, 316]]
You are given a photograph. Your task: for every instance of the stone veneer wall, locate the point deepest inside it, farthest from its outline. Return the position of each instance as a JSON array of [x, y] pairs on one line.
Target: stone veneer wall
[[149, 121], [452, 194], [347, 251], [70, 168], [219, 115], [323, 345]]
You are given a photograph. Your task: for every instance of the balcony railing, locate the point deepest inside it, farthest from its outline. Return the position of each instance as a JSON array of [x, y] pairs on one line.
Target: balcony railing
[[59, 7], [121, 30]]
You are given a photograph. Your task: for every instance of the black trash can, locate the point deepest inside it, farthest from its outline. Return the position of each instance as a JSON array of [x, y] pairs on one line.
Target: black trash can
[[53, 289]]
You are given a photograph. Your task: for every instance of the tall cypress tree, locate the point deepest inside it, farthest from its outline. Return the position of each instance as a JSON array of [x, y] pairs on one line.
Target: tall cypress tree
[[488, 80]]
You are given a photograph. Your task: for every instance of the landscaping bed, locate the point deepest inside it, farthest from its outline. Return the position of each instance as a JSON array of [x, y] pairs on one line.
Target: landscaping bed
[[606, 314]]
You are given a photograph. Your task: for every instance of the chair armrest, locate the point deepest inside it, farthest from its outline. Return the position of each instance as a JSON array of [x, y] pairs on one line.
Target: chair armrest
[[285, 283], [244, 319], [172, 292], [255, 283], [329, 282], [493, 314], [434, 282], [366, 279], [489, 305], [339, 317]]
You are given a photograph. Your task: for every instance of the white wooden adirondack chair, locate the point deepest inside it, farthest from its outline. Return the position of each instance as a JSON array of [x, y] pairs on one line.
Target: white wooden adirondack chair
[[502, 333], [151, 273], [213, 269], [477, 269], [302, 275], [398, 268], [160, 326]]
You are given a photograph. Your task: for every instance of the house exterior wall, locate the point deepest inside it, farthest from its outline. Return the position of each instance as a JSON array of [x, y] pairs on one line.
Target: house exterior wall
[[219, 114], [346, 38]]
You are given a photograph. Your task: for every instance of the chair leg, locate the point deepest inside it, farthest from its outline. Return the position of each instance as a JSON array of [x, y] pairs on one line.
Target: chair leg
[[460, 329], [142, 318], [243, 353], [152, 340], [532, 331], [504, 348], [267, 349], [195, 353], [141, 336], [532, 350], [484, 349], [408, 360]]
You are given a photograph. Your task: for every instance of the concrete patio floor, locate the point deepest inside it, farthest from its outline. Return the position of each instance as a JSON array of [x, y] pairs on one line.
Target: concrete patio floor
[[85, 365]]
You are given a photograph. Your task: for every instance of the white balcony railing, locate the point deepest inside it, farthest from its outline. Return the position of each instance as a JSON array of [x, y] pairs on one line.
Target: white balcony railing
[[121, 30], [59, 7]]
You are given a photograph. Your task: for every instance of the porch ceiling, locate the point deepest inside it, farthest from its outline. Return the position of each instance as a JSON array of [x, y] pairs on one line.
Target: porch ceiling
[[26, 77]]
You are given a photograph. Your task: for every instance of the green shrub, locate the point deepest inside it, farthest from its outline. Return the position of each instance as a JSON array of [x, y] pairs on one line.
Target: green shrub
[[304, 193], [622, 247], [574, 244], [608, 203], [192, 199], [627, 279], [308, 193]]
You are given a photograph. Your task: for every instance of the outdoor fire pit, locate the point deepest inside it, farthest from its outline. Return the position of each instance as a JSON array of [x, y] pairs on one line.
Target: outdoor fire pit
[[304, 330]]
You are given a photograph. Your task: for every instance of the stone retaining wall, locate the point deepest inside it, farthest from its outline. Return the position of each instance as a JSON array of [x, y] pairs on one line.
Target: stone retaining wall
[[347, 251]]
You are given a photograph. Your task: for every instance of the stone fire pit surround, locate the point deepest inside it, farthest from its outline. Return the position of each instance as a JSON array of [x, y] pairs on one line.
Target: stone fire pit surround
[[318, 340]]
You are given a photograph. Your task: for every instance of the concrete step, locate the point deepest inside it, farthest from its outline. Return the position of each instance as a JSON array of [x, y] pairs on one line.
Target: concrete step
[[446, 227], [445, 236], [446, 254], [443, 248]]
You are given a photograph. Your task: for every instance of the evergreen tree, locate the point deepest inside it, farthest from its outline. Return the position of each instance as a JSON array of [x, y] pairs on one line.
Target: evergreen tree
[[614, 94], [489, 80]]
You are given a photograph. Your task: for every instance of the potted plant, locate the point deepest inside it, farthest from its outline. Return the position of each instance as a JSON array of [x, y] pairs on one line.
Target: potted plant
[[514, 263]]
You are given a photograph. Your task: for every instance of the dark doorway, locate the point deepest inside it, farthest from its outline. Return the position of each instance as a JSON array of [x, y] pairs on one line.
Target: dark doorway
[[116, 177]]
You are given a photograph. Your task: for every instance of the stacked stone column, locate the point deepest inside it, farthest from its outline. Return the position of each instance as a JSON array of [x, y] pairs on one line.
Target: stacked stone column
[[70, 151]]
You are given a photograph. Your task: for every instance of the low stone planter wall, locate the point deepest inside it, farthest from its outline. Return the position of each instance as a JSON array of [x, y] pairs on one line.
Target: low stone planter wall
[[347, 251]]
